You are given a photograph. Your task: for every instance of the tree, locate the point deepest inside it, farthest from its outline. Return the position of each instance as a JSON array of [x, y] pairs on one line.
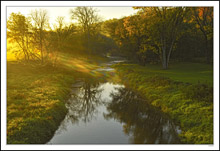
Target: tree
[[168, 27], [116, 30], [143, 48], [110, 27], [88, 19], [204, 18], [40, 21], [149, 35], [62, 33], [133, 26], [18, 32], [164, 24]]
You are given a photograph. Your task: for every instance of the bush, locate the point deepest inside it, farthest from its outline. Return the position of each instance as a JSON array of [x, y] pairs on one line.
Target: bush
[[199, 92]]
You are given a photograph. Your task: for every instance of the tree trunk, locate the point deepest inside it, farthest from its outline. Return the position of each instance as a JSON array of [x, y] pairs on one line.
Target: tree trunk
[[41, 47], [206, 50], [23, 48], [168, 57], [164, 61], [27, 49]]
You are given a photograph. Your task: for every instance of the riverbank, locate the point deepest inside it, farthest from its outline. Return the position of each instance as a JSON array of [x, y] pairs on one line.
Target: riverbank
[[36, 97], [184, 92]]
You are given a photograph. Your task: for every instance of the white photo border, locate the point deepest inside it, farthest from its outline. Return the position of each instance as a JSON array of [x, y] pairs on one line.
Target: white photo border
[[5, 4]]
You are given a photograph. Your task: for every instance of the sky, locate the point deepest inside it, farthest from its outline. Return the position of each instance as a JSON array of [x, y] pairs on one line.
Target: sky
[[53, 12]]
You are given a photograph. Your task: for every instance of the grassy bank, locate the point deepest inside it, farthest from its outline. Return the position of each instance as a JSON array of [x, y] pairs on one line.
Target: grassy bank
[[36, 97], [184, 92]]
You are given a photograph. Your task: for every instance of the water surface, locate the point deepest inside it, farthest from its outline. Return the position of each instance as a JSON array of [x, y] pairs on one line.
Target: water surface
[[102, 112]]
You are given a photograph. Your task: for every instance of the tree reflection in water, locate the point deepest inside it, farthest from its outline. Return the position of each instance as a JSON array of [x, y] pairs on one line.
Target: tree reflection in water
[[142, 122], [83, 102]]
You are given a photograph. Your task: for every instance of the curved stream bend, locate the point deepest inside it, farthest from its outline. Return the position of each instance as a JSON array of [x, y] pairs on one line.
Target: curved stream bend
[[107, 113]]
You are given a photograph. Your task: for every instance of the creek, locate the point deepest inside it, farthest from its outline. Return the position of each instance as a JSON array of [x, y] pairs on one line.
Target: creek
[[107, 112]]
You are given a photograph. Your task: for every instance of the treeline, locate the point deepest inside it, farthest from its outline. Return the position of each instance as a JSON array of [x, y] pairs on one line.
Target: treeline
[[152, 35], [34, 40], [161, 34]]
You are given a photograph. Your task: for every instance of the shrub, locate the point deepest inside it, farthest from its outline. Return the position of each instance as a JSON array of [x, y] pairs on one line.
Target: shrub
[[199, 92]]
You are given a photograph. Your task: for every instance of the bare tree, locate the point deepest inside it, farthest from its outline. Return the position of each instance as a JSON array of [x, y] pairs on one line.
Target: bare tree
[[63, 33], [40, 21], [88, 19], [18, 32]]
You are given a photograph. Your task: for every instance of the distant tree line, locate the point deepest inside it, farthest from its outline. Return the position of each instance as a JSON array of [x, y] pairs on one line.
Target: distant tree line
[[152, 35], [161, 34]]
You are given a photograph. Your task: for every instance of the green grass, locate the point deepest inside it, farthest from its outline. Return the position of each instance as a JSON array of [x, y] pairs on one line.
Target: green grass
[[36, 97], [177, 92], [35, 102], [183, 72]]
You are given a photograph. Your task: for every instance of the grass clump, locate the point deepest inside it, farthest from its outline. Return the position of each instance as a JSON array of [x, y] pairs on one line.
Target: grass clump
[[189, 103], [199, 92]]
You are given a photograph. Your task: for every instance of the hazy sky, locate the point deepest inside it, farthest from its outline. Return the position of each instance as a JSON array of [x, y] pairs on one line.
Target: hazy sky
[[54, 12]]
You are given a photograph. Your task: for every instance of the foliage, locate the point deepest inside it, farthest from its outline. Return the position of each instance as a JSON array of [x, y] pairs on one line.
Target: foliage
[[163, 34], [18, 32], [88, 20], [199, 92], [204, 19], [31, 38], [153, 35]]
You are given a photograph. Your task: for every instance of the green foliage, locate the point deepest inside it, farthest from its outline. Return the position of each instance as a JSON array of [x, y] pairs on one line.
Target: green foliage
[[189, 105], [199, 92], [160, 34]]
